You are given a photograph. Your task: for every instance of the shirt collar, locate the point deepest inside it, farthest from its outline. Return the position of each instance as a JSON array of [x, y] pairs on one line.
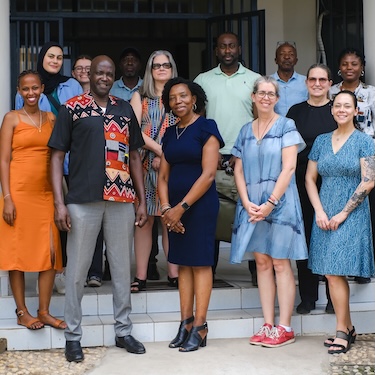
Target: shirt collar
[[122, 84], [240, 70], [292, 78]]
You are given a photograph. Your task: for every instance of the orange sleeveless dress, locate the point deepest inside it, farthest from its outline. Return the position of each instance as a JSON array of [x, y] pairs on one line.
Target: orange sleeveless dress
[[32, 244]]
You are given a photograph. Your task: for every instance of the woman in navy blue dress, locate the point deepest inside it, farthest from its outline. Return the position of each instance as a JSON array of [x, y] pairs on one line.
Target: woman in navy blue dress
[[189, 204]]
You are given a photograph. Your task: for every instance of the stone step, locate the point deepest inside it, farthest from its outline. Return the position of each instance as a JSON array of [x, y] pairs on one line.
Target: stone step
[[240, 295], [152, 327], [234, 312]]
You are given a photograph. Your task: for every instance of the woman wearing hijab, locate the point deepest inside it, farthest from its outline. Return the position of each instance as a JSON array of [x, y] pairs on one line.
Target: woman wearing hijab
[[57, 90]]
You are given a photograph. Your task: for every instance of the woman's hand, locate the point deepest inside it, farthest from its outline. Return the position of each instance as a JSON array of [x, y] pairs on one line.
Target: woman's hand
[[9, 211], [264, 210], [156, 163], [322, 220], [337, 220], [251, 208], [172, 219]]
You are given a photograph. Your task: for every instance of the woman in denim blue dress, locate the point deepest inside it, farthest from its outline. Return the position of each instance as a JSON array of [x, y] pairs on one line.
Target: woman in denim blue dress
[[268, 221]]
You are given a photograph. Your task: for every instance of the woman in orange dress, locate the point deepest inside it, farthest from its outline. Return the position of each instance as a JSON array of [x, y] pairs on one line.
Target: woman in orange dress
[[29, 240]]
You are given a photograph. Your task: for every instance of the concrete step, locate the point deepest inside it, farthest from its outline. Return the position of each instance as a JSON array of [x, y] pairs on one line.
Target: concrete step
[[234, 312]]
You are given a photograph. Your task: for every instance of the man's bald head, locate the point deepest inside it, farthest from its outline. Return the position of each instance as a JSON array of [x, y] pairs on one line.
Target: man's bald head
[[98, 59], [102, 75]]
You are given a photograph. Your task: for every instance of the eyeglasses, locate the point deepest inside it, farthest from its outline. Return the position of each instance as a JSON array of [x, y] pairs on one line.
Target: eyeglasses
[[263, 94], [80, 69], [164, 66], [320, 80], [288, 42]]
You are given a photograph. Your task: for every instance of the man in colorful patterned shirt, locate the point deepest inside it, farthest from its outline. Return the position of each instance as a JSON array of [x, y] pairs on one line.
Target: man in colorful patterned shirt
[[103, 136]]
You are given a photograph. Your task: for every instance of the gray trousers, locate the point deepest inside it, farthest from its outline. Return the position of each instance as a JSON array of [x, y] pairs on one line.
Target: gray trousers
[[118, 227]]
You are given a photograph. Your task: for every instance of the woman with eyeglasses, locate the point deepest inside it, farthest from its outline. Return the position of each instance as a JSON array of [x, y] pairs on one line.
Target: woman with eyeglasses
[[81, 71], [57, 90], [352, 70], [312, 117], [154, 120], [268, 220]]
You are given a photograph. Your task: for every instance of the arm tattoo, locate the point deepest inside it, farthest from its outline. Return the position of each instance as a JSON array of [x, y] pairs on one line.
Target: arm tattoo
[[361, 192], [355, 200], [369, 168]]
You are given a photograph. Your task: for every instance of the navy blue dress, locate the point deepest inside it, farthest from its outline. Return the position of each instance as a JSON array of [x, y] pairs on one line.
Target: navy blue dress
[[184, 154]]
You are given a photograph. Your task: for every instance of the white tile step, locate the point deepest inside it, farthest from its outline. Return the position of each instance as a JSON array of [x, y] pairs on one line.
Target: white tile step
[[235, 323]]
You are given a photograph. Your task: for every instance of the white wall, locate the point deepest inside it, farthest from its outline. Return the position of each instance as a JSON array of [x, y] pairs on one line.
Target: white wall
[[369, 32], [282, 23], [5, 102]]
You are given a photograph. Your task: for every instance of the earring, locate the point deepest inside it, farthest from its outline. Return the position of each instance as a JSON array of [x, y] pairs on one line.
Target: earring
[[362, 73], [194, 107], [339, 73]]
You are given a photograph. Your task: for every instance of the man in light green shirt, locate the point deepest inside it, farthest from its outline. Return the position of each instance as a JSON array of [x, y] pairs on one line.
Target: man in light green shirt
[[228, 88]]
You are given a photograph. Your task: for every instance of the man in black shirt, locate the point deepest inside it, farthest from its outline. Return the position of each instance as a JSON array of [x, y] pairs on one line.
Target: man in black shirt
[[103, 136]]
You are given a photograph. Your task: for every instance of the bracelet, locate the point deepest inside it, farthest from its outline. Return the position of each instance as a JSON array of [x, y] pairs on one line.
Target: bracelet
[[164, 211], [6, 195], [274, 196], [269, 200], [164, 206]]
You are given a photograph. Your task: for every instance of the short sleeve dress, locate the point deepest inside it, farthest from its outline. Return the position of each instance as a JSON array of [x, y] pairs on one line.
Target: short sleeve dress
[[184, 154], [347, 250], [32, 244], [281, 235]]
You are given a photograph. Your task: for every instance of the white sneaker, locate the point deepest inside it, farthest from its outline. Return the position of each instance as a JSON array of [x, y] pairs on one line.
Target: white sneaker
[[60, 283]]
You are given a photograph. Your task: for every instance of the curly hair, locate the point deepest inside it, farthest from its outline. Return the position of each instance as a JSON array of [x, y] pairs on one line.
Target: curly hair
[[26, 73], [352, 51], [194, 88]]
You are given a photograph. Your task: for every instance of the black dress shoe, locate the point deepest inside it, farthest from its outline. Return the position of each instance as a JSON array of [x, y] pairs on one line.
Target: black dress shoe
[[73, 351], [362, 280], [130, 344], [305, 307], [152, 272]]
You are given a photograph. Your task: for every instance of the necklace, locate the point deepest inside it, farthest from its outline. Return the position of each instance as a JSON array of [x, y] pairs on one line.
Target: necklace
[[343, 136], [259, 141], [178, 135], [40, 119]]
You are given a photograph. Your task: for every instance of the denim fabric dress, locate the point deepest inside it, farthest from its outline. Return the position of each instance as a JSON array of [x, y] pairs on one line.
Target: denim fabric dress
[[281, 235]]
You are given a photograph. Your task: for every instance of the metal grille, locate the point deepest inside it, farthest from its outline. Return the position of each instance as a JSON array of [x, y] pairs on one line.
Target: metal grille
[[342, 27]]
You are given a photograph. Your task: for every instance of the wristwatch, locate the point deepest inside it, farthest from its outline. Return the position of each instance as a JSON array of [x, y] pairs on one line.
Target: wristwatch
[[185, 206]]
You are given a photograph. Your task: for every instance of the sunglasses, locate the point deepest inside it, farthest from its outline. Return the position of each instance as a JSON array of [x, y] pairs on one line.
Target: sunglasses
[[164, 66]]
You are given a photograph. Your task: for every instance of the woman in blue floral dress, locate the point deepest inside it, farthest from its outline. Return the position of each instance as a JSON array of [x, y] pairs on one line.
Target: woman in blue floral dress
[[268, 219], [341, 241]]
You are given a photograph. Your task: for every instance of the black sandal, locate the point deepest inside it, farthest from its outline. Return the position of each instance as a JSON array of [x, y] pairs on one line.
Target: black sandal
[[330, 340], [341, 348], [137, 285], [173, 282]]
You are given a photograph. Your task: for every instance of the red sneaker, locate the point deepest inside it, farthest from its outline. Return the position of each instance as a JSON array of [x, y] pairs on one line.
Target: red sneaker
[[264, 332], [278, 337]]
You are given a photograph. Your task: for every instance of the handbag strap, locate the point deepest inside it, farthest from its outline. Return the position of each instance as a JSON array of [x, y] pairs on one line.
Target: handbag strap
[[53, 102]]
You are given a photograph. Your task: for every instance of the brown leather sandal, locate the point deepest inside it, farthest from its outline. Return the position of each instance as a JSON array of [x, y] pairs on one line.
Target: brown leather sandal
[[29, 324], [49, 320]]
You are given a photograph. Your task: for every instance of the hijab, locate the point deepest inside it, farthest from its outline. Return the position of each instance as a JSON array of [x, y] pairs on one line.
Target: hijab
[[50, 81]]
